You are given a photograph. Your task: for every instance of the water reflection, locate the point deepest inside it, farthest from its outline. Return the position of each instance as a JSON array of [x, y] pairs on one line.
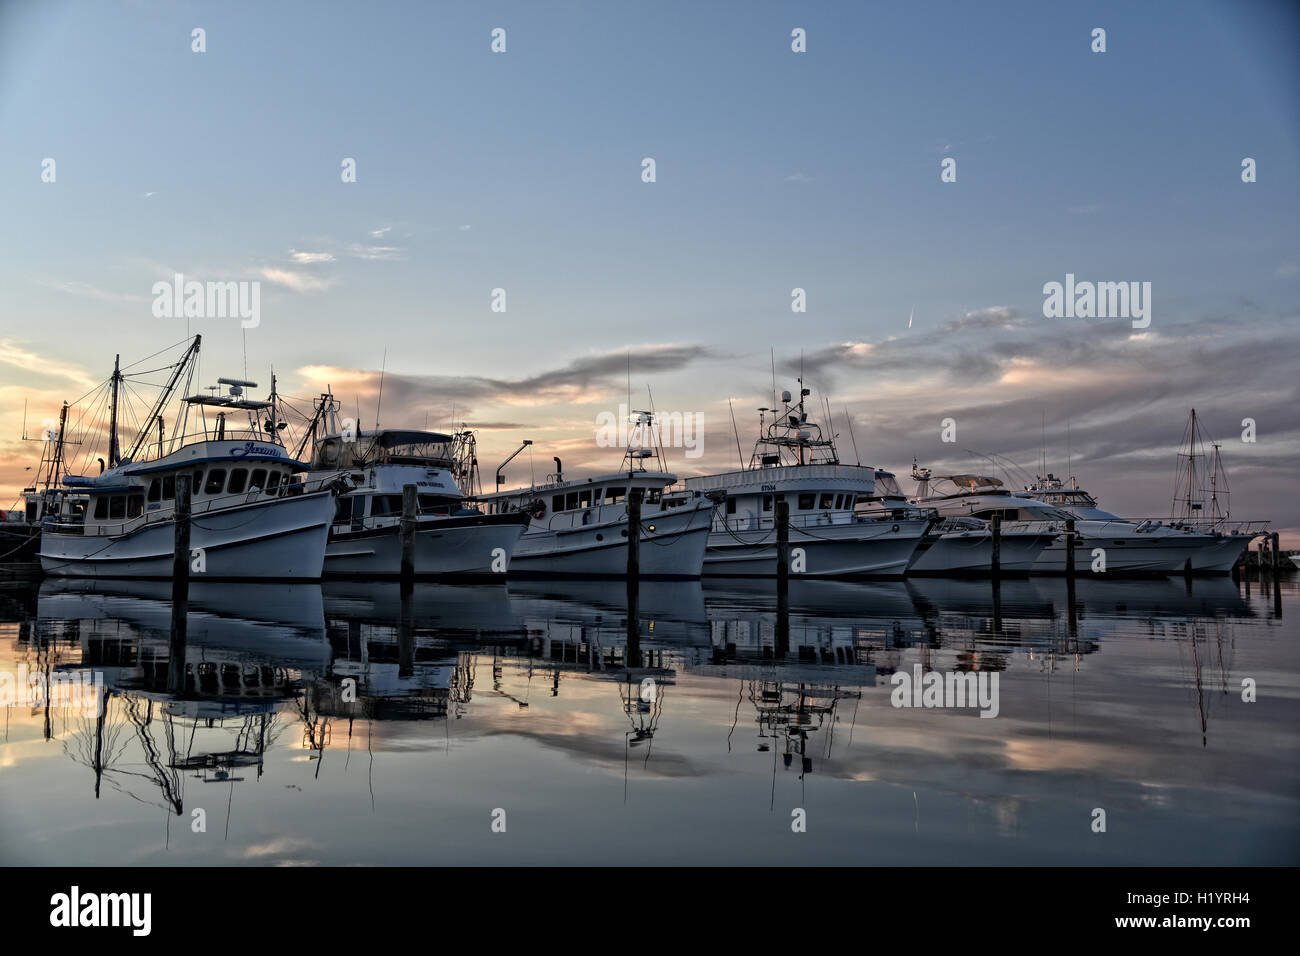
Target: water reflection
[[714, 692]]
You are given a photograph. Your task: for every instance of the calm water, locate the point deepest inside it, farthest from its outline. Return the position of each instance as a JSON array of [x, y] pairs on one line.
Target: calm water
[[692, 743]]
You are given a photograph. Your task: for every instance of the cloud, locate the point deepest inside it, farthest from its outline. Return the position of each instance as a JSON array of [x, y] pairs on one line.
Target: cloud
[[380, 232], [294, 281], [376, 253], [310, 258]]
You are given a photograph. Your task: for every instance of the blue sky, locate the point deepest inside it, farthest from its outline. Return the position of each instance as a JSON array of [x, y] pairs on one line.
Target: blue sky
[[774, 170]]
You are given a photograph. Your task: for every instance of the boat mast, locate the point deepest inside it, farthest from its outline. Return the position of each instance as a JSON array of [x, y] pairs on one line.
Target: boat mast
[[112, 423]]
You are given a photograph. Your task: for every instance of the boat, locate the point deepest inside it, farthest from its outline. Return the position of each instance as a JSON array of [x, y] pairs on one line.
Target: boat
[[1147, 547], [1197, 486], [959, 545], [794, 461], [579, 527], [451, 537], [252, 519]]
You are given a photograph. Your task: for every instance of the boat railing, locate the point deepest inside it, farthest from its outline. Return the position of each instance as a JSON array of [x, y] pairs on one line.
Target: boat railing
[[1222, 526], [116, 527]]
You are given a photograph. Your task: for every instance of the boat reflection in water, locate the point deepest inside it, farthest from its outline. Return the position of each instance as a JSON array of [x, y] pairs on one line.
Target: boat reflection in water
[[684, 733]]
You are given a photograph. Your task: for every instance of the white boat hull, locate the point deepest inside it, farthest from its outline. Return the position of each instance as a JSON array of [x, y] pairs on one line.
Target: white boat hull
[[1138, 554], [272, 539], [971, 552], [444, 547], [674, 549], [1221, 555], [851, 549]]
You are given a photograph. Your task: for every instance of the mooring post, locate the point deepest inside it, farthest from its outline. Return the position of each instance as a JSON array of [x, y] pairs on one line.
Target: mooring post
[[1069, 548], [995, 565], [408, 526], [782, 576], [1275, 540], [180, 585], [634, 497]]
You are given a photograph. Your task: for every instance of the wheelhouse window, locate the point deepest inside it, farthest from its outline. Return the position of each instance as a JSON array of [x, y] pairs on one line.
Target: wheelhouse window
[[584, 498], [197, 484], [653, 495], [571, 501], [615, 496], [155, 490], [767, 502], [117, 507], [437, 504], [216, 481], [343, 508], [731, 506], [238, 478], [557, 503], [828, 501], [169, 488], [272, 482], [101, 508], [257, 480], [134, 506], [807, 502]]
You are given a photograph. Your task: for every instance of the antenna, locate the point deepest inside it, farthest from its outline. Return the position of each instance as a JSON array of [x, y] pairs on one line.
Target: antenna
[[772, 352], [855, 441], [736, 431], [380, 403]]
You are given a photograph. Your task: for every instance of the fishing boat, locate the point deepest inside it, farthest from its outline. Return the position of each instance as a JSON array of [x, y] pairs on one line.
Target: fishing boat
[[371, 469], [251, 518], [793, 461], [580, 527]]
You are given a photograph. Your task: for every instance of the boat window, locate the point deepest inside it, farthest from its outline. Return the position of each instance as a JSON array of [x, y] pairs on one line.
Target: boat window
[[155, 490], [117, 506], [343, 508], [614, 496], [595, 496], [731, 506], [385, 506], [238, 476], [557, 503], [169, 488], [197, 484], [441, 504], [571, 501], [767, 502], [806, 502], [584, 498], [257, 480], [272, 481], [828, 500], [101, 508], [216, 480], [653, 495], [134, 506]]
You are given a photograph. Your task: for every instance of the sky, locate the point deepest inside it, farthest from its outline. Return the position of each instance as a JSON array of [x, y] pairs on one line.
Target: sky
[[774, 170]]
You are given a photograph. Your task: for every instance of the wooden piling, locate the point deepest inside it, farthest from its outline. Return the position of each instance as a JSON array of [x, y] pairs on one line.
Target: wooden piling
[[995, 565], [634, 498], [782, 577], [180, 585], [1069, 548], [408, 526]]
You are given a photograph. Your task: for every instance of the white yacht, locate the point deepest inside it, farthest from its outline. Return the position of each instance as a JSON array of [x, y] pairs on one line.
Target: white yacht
[[960, 545], [1131, 547], [371, 469], [1211, 548], [250, 518], [793, 461], [579, 527]]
